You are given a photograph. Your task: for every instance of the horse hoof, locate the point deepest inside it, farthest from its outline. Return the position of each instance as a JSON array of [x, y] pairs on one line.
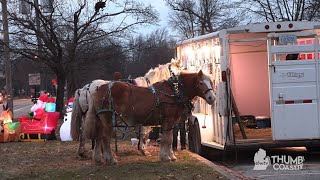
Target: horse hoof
[[113, 162], [173, 158], [165, 159], [83, 156], [99, 163], [146, 153]]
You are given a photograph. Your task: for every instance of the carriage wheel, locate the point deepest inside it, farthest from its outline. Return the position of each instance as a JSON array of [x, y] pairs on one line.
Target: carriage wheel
[[194, 137]]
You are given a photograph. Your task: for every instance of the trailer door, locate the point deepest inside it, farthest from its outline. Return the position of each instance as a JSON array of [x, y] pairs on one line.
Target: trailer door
[[294, 87]]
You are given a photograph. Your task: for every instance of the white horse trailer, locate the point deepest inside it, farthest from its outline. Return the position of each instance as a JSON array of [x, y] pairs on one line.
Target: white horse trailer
[[271, 71]]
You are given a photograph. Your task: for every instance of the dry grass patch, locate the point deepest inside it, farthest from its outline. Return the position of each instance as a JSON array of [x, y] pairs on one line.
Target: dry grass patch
[[58, 160]]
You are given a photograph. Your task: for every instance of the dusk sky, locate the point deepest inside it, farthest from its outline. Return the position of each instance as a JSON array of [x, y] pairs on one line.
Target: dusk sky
[[162, 9]]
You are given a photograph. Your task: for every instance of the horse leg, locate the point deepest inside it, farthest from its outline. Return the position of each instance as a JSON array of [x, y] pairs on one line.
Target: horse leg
[[107, 152], [96, 153], [82, 142], [97, 143], [143, 137], [106, 131], [81, 149], [171, 154], [166, 152]]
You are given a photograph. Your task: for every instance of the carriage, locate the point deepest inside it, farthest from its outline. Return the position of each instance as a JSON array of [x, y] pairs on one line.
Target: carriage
[[264, 97]]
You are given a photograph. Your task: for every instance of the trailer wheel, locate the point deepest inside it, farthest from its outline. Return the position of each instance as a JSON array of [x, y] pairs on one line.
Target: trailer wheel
[[197, 138], [190, 136], [194, 137]]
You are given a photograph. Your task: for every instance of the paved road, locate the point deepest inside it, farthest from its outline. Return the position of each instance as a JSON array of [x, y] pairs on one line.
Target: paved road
[[20, 107], [243, 162]]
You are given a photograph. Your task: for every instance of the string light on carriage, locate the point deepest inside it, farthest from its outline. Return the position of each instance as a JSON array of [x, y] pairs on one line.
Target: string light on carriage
[[199, 55], [217, 50], [190, 54], [206, 52]]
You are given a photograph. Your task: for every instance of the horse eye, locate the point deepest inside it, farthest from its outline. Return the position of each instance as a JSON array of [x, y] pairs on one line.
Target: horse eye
[[201, 83]]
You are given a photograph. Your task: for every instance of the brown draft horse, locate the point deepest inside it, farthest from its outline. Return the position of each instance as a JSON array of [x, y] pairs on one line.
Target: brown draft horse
[[83, 96], [163, 104]]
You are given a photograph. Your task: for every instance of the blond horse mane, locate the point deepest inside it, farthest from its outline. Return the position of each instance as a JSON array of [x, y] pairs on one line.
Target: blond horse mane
[[158, 73]]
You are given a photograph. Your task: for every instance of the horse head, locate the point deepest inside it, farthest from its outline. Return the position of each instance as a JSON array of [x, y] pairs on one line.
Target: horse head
[[175, 66], [204, 86], [198, 84]]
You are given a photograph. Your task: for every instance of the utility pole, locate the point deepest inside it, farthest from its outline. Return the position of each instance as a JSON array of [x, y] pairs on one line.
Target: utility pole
[[7, 55], [39, 49]]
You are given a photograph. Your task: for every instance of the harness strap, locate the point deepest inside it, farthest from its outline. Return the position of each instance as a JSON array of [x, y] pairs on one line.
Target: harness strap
[[104, 110], [152, 89], [207, 90], [155, 104]]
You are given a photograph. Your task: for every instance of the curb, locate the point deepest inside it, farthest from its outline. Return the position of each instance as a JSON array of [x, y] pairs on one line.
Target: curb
[[228, 173]]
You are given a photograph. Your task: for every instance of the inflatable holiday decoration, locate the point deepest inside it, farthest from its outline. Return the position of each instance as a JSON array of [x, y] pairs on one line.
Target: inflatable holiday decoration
[[43, 123], [65, 133], [70, 104]]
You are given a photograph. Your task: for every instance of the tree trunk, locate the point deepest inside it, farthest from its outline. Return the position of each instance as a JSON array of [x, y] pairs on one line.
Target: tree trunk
[[73, 83], [61, 81]]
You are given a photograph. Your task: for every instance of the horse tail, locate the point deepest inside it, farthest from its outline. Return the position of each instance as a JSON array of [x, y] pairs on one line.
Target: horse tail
[[91, 117], [76, 117]]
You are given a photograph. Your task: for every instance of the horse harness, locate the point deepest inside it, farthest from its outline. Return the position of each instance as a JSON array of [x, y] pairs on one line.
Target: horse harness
[[87, 87], [178, 94]]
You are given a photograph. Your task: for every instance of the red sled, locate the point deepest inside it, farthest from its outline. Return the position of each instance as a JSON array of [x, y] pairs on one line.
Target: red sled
[[39, 130]]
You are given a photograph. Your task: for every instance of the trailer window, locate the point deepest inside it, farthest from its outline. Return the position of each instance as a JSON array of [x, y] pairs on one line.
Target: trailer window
[[303, 50]]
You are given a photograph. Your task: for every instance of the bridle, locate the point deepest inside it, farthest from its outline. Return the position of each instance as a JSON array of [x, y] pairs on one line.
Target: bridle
[[204, 91]]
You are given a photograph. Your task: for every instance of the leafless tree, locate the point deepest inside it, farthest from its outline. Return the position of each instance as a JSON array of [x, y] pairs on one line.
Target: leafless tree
[[283, 10], [148, 51], [58, 37], [199, 17]]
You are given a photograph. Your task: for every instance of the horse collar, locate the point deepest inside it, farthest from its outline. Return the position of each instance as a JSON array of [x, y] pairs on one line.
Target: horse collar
[[176, 86]]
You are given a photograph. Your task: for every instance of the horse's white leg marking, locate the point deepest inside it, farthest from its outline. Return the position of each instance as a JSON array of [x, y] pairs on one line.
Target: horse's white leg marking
[[144, 131], [107, 152], [96, 153], [165, 146]]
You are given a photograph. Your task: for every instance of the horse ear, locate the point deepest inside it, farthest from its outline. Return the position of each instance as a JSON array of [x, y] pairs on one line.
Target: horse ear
[[177, 62], [200, 73], [4, 108]]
